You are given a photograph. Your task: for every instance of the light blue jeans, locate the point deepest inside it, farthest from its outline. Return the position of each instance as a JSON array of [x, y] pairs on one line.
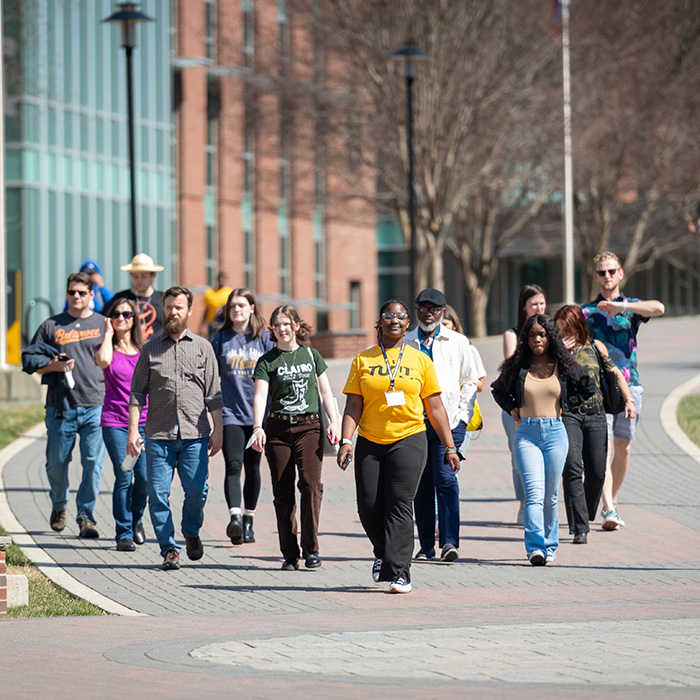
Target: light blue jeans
[[130, 488], [540, 448], [191, 459], [60, 440], [509, 426]]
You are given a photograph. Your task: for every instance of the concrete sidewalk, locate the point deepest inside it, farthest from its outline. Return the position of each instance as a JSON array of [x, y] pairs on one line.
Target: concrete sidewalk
[[621, 614]]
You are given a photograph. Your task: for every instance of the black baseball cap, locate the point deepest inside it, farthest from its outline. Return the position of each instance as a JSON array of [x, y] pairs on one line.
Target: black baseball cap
[[431, 296]]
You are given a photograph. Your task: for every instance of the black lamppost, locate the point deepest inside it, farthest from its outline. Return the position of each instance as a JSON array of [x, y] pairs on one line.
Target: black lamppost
[[409, 54], [127, 16]]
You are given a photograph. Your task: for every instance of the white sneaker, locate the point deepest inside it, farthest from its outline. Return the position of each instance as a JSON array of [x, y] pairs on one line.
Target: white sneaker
[[611, 520], [401, 585], [376, 570]]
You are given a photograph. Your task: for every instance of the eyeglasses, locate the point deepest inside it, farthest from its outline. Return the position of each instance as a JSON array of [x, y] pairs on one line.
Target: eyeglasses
[[429, 309], [126, 314], [602, 273], [73, 292], [388, 316]]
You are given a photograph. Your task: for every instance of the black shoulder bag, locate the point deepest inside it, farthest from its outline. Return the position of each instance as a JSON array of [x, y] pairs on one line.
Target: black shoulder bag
[[613, 402]]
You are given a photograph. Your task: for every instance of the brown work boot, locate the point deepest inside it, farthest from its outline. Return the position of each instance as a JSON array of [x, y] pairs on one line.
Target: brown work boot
[[57, 519], [87, 529], [171, 560], [195, 548]]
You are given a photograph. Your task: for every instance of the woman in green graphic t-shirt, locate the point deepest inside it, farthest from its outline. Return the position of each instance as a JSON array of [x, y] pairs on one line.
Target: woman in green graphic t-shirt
[[291, 437]]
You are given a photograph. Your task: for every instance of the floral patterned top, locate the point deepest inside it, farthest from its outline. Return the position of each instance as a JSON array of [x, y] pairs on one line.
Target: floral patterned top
[[619, 333]]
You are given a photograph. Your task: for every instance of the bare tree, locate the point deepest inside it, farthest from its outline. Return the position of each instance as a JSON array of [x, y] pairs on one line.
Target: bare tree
[[636, 148], [481, 112]]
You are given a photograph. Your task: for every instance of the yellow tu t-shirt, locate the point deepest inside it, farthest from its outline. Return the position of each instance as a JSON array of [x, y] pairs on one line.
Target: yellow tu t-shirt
[[370, 379]]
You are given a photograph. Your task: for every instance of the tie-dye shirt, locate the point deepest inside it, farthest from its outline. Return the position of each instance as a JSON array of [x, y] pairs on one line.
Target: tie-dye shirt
[[619, 333]]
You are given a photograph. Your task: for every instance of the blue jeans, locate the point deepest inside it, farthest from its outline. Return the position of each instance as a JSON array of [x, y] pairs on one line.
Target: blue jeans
[[438, 481], [541, 446], [509, 426], [61, 434], [129, 496], [191, 459]]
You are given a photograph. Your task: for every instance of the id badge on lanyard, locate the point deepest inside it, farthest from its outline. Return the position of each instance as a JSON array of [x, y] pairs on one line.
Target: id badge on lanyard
[[394, 397]]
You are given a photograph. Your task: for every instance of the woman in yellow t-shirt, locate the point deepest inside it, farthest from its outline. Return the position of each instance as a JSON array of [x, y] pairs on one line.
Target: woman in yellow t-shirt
[[388, 389]]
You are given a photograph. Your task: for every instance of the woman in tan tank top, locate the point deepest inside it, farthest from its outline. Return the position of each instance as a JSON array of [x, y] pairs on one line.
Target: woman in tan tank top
[[537, 383]]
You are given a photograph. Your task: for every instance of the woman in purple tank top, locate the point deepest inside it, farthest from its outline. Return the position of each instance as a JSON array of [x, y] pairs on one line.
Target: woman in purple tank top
[[118, 356]]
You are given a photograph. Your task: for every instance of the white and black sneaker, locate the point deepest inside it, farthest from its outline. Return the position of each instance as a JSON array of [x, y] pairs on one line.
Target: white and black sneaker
[[401, 585], [376, 570], [449, 553], [537, 558]]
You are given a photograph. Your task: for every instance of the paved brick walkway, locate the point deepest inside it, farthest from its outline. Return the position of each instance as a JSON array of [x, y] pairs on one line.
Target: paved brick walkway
[[619, 615]]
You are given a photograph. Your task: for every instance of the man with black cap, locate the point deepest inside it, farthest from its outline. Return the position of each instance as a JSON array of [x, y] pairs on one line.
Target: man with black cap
[[458, 377], [150, 301]]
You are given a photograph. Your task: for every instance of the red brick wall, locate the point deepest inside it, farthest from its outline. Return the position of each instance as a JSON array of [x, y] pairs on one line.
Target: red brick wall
[[350, 248], [3, 583]]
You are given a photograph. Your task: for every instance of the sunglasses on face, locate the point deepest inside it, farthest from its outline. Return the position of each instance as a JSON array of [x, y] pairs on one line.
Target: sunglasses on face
[[388, 316], [602, 273], [126, 314], [429, 309], [73, 292]]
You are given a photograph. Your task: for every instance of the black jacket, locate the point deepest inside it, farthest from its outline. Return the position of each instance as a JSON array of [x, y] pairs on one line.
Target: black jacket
[[39, 355], [574, 390]]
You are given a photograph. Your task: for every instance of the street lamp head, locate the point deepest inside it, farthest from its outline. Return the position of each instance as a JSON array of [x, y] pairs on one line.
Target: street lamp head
[[127, 16], [409, 54]]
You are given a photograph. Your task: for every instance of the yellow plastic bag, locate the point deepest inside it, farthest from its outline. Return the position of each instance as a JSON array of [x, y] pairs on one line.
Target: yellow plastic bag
[[476, 423]]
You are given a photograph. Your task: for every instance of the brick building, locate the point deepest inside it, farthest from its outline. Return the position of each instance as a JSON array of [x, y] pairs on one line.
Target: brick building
[[255, 197], [231, 170]]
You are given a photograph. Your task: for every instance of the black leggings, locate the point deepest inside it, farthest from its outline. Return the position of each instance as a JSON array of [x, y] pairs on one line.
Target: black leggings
[[237, 457]]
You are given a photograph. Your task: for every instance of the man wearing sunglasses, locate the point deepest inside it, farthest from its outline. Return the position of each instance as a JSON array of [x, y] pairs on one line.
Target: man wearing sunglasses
[[75, 335], [615, 319], [457, 375]]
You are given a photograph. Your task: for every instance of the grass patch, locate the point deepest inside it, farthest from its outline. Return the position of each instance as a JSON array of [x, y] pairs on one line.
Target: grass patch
[[16, 419], [689, 417], [46, 599]]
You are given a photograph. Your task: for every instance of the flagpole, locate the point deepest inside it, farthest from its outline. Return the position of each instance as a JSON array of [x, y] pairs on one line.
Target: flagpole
[[568, 162]]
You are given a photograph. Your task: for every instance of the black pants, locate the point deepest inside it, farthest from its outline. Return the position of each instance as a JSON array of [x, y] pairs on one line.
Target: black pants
[[584, 471], [237, 457], [386, 480]]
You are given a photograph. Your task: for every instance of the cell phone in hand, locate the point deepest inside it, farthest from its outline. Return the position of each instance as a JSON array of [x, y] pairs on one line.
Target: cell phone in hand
[[346, 461]]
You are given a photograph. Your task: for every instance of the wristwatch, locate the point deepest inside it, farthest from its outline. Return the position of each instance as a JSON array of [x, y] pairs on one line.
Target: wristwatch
[[345, 441]]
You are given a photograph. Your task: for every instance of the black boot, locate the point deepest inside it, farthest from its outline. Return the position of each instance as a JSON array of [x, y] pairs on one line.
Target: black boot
[[248, 534], [234, 530]]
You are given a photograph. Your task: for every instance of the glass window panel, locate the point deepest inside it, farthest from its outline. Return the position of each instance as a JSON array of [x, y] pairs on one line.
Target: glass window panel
[[99, 136], [14, 227], [13, 125], [67, 171], [30, 115], [116, 143], [84, 174], [52, 119], [51, 168], [13, 165], [67, 61], [67, 130], [85, 61], [85, 127]]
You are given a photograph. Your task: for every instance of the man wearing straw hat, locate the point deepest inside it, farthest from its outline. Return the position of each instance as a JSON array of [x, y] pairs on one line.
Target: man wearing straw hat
[[150, 302]]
